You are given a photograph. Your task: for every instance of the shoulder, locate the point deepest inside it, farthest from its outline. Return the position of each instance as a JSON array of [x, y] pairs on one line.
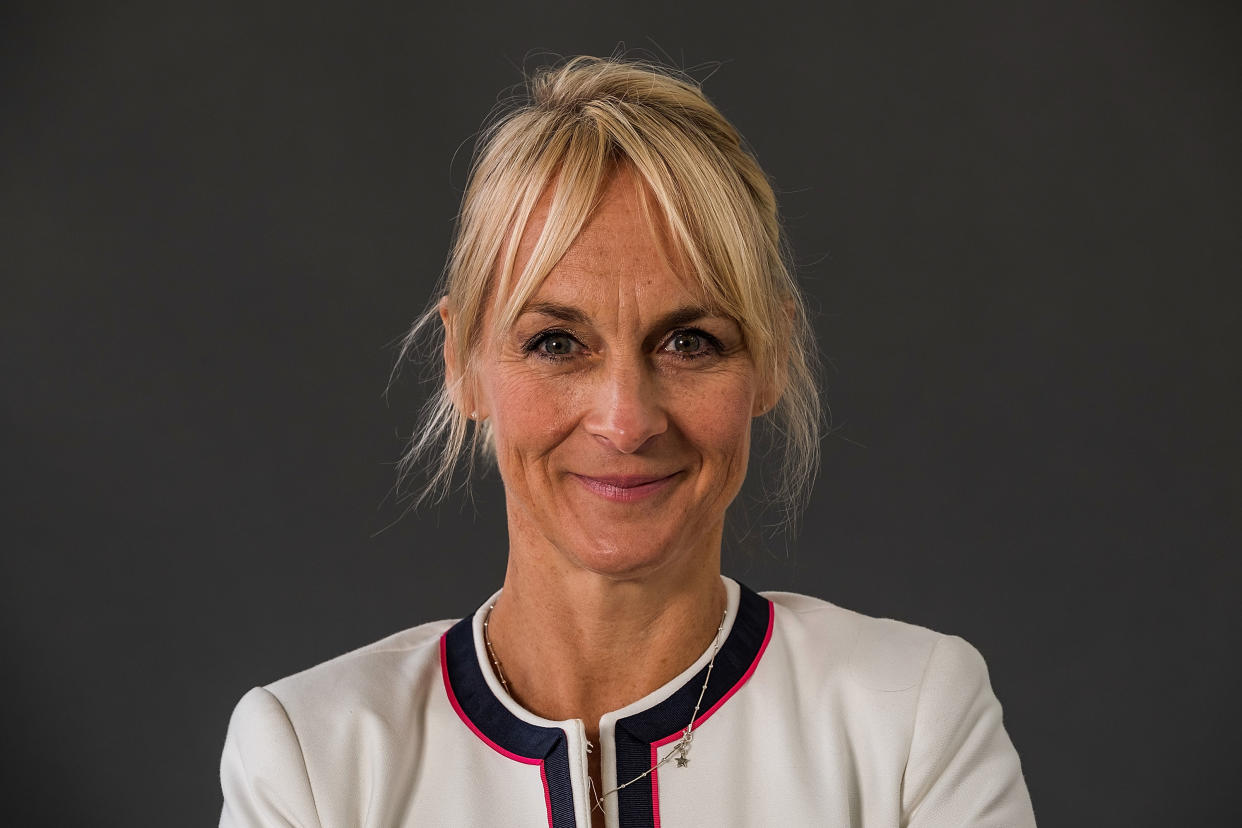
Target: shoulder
[[355, 681], [263, 772], [924, 698], [285, 739], [880, 654], [365, 679]]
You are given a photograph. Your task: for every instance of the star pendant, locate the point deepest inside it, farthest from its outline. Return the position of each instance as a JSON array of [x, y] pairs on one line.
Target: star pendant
[[683, 760]]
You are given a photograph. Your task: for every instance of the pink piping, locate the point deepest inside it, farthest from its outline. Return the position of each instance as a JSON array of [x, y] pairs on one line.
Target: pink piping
[[655, 784], [461, 714], [655, 790]]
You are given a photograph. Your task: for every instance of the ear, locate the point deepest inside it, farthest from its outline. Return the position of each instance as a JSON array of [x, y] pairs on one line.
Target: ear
[[771, 388], [464, 396], [775, 375]]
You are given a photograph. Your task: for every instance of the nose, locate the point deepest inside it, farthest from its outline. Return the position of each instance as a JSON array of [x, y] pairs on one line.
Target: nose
[[626, 410]]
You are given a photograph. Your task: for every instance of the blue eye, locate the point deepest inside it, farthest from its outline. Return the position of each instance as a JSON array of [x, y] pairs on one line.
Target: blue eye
[[552, 345], [557, 345], [686, 342], [692, 344]]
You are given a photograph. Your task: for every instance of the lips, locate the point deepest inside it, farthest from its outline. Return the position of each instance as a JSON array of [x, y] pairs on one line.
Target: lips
[[625, 488]]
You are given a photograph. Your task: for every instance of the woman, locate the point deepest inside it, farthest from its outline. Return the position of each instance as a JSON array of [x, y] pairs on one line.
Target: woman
[[616, 316]]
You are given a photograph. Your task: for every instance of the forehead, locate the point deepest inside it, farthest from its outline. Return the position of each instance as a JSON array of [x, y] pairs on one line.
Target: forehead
[[623, 251]]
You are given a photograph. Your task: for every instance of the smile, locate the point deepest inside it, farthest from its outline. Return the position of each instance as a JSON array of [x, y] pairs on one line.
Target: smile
[[625, 488]]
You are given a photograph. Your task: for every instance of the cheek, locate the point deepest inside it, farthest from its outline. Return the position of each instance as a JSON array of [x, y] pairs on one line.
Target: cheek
[[532, 415], [717, 420], [529, 416]]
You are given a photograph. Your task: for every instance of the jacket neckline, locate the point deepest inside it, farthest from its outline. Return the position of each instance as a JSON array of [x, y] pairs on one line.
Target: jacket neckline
[[639, 729]]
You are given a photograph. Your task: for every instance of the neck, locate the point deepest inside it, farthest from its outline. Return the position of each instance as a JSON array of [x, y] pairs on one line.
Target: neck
[[575, 644]]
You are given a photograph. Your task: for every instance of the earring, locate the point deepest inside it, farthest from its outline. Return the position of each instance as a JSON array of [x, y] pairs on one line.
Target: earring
[[474, 415]]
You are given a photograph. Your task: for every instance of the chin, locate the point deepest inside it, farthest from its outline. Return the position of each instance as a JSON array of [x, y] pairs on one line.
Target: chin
[[621, 542], [636, 553]]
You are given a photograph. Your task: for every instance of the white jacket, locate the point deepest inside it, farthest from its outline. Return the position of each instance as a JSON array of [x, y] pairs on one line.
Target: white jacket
[[813, 716]]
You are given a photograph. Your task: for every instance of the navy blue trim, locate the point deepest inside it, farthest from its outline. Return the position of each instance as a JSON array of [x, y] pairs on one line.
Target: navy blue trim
[[636, 734], [494, 721]]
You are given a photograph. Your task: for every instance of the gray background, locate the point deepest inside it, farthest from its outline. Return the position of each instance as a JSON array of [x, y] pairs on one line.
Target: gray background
[[1018, 227]]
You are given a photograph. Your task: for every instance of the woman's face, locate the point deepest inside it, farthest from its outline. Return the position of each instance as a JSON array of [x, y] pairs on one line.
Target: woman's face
[[620, 403]]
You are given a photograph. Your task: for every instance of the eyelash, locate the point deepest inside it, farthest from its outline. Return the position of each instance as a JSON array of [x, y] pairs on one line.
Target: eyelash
[[711, 344]]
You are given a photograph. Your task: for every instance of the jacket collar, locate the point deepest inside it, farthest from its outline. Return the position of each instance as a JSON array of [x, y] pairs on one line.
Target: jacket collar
[[633, 733]]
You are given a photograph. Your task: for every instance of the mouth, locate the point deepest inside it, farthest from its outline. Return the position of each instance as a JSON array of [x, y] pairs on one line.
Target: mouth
[[625, 488]]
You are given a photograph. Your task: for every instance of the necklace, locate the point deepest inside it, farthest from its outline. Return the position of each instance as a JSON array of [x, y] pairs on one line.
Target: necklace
[[681, 748], [487, 639]]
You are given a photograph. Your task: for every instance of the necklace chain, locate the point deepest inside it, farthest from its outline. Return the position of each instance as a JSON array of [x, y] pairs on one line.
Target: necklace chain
[[487, 639], [680, 749]]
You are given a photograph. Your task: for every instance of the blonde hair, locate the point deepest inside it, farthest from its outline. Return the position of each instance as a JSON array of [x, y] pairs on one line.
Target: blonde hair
[[579, 122]]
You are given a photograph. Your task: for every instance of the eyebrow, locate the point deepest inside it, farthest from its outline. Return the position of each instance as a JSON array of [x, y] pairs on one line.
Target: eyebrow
[[575, 316], [565, 313]]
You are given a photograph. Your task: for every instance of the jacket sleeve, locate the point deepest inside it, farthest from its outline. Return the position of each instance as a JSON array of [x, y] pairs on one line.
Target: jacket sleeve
[[962, 771], [262, 770]]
